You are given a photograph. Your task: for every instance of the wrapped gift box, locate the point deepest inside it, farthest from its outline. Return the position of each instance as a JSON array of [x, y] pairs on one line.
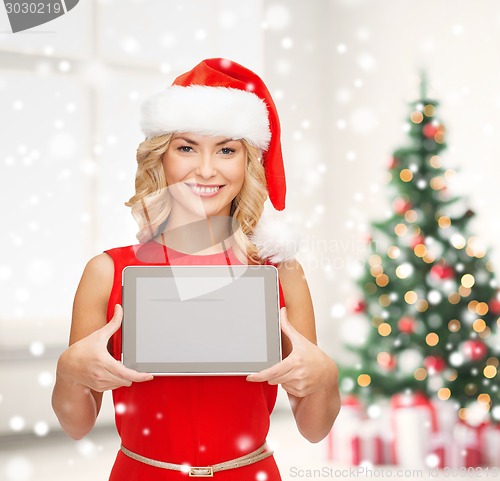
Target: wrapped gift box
[[412, 432], [491, 445], [414, 423], [355, 438]]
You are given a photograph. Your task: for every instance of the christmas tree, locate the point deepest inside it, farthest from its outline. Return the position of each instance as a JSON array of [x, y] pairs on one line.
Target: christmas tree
[[429, 292]]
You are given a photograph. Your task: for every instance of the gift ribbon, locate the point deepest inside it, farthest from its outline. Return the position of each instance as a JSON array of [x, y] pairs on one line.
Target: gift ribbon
[[406, 400], [352, 403], [472, 441]]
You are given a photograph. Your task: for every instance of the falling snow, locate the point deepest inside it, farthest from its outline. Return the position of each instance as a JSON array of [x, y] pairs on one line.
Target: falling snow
[[359, 108], [244, 442], [86, 448], [18, 468], [277, 17], [41, 428], [261, 476], [62, 145], [37, 348], [45, 379], [409, 360], [17, 423]]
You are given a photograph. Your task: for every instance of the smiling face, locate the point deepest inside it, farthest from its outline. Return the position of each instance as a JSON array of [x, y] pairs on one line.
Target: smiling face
[[204, 174]]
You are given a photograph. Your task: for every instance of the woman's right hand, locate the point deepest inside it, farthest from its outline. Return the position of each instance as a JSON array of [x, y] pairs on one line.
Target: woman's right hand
[[87, 362]]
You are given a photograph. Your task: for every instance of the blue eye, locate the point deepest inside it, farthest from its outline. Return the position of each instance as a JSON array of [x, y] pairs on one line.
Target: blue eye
[[185, 148], [227, 151]]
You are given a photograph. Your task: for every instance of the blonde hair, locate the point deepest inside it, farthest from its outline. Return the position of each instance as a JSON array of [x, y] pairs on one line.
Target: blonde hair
[[152, 201]]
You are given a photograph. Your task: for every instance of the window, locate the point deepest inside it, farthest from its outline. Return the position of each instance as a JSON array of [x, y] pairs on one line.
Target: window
[[70, 92]]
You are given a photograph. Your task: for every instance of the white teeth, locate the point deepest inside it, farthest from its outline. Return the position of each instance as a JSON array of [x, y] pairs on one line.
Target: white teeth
[[204, 190]]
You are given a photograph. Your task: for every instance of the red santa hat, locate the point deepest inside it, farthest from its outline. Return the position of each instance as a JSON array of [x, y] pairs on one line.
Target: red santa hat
[[221, 97]]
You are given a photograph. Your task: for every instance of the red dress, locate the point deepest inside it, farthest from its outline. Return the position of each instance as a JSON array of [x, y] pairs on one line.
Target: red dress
[[195, 420]]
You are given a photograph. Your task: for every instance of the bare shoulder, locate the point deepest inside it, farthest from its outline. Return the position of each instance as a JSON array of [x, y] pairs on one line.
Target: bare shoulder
[[97, 277], [297, 298], [91, 298], [291, 271], [100, 267]]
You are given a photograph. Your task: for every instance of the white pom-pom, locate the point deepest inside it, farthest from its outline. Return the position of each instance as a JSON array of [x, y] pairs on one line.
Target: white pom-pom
[[275, 237]]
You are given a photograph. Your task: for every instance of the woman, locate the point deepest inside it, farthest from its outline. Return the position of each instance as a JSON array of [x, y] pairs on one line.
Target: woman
[[212, 153]]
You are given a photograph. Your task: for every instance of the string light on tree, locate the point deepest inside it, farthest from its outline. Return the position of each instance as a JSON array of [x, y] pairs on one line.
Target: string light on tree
[[429, 294]]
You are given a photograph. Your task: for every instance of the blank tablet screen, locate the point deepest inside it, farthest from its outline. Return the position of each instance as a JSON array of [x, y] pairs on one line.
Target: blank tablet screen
[[175, 330], [200, 319]]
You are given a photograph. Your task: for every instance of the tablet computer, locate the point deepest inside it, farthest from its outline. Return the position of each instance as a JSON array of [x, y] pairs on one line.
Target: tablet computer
[[200, 320]]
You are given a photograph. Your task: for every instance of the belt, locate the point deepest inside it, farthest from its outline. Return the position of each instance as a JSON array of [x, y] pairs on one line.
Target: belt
[[204, 471]]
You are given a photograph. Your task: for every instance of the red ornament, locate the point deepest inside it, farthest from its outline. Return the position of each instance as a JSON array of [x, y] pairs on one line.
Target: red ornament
[[417, 240], [359, 307], [434, 364], [401, 206], [386, 361], [475, 350], [494, 306], [350, 400], [407, 325], [367, 238], [429, 130], [393, 163], [442, 271]]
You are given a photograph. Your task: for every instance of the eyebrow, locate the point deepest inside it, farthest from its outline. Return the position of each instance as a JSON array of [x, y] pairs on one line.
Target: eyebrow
[[193, 142]]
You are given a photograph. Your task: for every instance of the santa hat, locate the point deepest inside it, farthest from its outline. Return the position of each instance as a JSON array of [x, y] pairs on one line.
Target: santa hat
[[221, 97]]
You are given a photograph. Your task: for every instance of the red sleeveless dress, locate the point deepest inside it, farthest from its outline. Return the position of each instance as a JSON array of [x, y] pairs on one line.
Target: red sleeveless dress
[[194, 420]]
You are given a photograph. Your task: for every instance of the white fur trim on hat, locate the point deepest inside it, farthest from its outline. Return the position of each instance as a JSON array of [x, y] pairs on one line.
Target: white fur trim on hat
[[275, 237], [206, 110]]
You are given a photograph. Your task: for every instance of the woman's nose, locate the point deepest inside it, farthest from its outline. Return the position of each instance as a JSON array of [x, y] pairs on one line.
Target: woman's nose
[[206, 167]]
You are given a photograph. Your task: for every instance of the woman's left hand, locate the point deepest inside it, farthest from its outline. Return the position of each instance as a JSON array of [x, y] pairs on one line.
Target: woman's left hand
[[306, 370]]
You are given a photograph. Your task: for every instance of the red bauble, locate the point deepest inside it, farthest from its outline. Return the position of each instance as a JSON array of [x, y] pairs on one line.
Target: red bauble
[[407, 325], [417, 240], [386, 361], [350, 400], [434, 364], [359, 306], [393, 162], [442, 271], [401, 206], [494, 306], [429, 130], [475, 350]]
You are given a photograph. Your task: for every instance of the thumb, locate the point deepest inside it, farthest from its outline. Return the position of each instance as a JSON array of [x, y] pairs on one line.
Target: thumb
[[286, 327], [115, 322]]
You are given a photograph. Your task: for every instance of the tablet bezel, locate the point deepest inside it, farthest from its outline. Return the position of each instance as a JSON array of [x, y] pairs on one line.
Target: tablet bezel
[[129, 301]]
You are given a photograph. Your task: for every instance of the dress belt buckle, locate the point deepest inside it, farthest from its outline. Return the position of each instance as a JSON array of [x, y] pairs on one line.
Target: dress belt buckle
[[201, 471]]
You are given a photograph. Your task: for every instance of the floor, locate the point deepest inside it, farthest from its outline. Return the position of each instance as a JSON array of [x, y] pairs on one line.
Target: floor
[[57, 458]]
